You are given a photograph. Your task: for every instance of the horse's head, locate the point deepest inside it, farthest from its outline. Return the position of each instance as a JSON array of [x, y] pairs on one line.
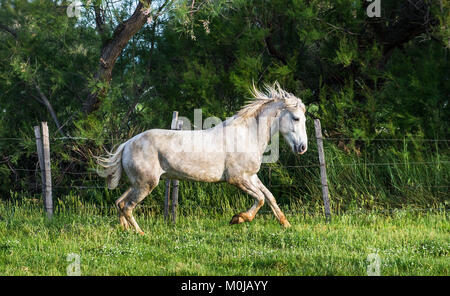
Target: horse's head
[[284, 106], [293, 124]]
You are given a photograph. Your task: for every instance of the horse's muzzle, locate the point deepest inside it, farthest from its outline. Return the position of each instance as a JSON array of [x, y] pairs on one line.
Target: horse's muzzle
[[300, 148]]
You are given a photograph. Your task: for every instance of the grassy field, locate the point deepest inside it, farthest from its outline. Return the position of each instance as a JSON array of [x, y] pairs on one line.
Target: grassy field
[[408, 243]]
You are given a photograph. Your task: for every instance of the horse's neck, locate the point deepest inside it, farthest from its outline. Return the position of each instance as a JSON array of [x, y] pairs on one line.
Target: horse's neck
[[265, 120]]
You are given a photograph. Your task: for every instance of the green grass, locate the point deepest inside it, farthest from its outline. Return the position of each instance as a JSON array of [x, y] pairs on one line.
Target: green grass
[[408, 243]]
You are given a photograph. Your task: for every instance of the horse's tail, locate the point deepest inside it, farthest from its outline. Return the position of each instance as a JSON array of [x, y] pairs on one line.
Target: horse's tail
[[112, 166]]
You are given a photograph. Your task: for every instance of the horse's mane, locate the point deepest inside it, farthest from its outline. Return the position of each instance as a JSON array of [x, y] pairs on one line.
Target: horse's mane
[[261, 99]]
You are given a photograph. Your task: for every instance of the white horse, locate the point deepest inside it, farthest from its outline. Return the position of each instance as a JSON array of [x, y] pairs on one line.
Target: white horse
[[229, 152]]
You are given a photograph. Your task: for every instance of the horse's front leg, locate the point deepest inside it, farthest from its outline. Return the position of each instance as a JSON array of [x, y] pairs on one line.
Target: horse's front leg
[[273, 205], [250, 187]]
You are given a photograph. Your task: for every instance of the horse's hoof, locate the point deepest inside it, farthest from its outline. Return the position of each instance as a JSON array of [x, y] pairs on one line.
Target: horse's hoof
[[237, 219]]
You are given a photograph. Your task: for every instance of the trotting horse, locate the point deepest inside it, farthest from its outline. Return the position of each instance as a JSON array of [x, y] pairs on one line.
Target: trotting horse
[[228, 152]]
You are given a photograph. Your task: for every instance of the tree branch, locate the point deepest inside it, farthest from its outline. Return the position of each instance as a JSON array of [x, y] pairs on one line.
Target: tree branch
[[43, 100], [273, 51], [9, 30], [99, 19]]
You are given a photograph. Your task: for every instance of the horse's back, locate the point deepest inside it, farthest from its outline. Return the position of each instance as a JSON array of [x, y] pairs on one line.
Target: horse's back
[[174, 154]]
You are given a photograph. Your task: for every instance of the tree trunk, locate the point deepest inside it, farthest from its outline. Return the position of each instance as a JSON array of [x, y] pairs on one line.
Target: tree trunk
[[110, 52]]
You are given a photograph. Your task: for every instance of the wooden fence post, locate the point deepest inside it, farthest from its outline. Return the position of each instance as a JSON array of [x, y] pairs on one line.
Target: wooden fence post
[[48, 170], [40, 152], [323, 169], [166, 199], [43, 150], [173, 126], [179, 126]]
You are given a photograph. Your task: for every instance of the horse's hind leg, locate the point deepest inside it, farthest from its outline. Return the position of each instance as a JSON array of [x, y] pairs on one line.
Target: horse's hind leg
[[136, 196], [120, 202]]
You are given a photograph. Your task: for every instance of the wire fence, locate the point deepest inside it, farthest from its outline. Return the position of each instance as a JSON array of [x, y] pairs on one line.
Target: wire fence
[[88, 179]]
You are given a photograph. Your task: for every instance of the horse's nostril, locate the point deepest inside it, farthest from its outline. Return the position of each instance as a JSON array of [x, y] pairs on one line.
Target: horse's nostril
[[300, 148]]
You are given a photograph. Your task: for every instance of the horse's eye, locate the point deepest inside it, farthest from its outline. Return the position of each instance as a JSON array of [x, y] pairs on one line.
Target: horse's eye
[[295, 118]]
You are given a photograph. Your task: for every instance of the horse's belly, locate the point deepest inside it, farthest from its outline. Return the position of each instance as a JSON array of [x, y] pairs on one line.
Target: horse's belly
[[195, 166]]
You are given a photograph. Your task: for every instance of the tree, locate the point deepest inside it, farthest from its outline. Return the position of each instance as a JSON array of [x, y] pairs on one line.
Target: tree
[[113, 47]]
